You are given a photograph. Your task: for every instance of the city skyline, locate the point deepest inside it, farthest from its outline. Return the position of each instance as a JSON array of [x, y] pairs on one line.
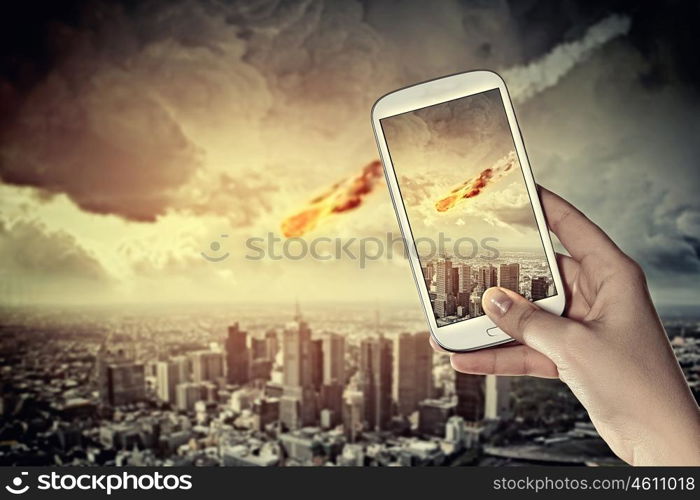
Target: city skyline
[[145, 146], [345, 387], [456, 286]]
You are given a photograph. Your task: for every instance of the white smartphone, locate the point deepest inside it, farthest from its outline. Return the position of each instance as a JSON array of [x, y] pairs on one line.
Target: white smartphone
[[466, 202]]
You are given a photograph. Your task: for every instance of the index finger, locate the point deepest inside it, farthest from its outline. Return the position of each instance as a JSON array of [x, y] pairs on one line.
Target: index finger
[[579, 235]]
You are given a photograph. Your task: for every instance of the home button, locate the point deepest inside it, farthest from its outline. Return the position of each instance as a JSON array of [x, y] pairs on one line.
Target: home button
[[494, 332]]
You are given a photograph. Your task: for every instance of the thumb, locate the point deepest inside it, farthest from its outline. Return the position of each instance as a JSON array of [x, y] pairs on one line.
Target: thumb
[[524, 321]]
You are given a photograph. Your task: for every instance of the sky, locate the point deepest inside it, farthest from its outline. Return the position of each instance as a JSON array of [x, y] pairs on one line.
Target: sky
[[134, 135], [464, 145]]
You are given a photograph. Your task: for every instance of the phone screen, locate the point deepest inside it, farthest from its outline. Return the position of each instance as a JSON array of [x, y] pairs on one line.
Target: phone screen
[[464, 192]]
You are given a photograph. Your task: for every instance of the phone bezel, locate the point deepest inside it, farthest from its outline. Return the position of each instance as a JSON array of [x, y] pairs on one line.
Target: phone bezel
[[471, 334]]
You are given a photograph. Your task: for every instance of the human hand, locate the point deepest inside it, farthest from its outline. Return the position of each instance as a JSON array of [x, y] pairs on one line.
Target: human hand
[[610, 348]]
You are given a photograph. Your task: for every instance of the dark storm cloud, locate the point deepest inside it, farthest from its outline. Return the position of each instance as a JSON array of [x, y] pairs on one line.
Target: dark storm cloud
[[121, 99], [29, 247], [89, 128], [673, 241], [516, 215], [486, 121], [87, 107]]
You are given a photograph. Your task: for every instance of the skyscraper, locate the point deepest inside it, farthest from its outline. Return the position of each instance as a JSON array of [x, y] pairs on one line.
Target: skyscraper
[[465, 279], [538, 288], [124, 383], [470, 396], [296, 349], [167, 378], [333, 359], [298, 401], [237, 355], [316, 363], [497, 397], [475, 308], [353, 412], [454, 281], [183, 368], [258, 348], [433, 415], [207, 366], [272, 344], [427, 270], [510, 277], [487, 277], [443, 275], [331, 399], [412, 371], [375, 376], [443, 286], [187, 394]]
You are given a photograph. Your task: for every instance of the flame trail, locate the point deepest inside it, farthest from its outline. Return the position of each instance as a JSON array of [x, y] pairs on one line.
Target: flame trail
[[341, 197], [474, 186], [524, 82]]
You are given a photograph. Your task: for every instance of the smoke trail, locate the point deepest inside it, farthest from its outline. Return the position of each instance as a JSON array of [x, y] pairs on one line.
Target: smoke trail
[[524, 82]]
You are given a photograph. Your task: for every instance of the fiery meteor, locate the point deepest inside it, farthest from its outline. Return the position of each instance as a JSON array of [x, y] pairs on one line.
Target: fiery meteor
[[341, 197], [475, 185]]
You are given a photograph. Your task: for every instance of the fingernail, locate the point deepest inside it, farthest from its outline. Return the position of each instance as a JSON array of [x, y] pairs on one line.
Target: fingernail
[[500, 300]]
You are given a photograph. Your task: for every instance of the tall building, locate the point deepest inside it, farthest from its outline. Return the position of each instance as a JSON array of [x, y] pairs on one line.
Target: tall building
[[296, 349], [510, 277], [538, 288], [187, 394], [470, 396], [331, 399], [444, 286], [183, 368], [316, 363], [443, 276], [124, 383], [167, 378], [412, 371], [353, 413], [497, 397], [464, 276], [433, 415], [333, 359], [487, 277], [207, 366], [454, 281], [267, 411], [258, 348], [440, 307], [475, 308], [272, 344], [298, 401], [427, 270], [375, 375], [237, 355], [260, 369], [297, 407]]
